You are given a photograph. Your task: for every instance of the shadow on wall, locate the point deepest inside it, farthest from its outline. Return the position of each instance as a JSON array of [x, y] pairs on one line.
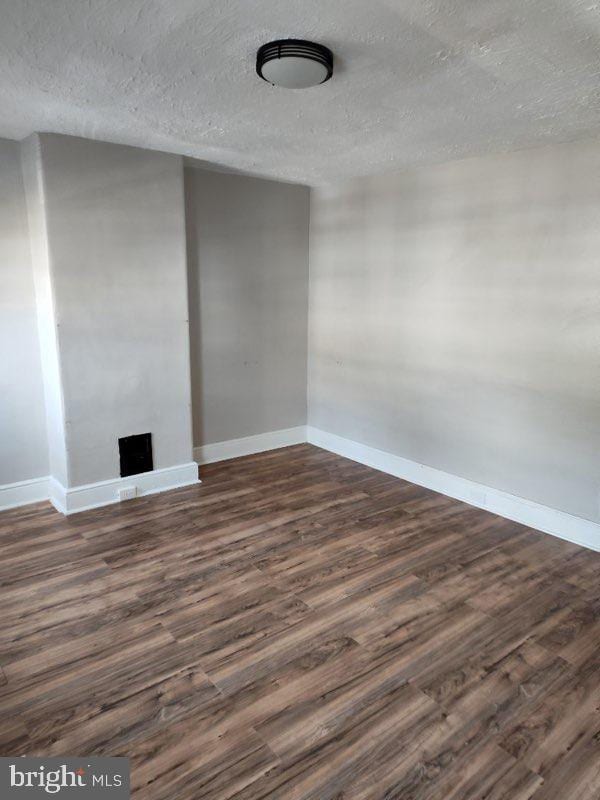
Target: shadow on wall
[[194, 302]]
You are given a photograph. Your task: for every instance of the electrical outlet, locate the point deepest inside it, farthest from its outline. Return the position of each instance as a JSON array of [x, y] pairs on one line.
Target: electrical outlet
[[127, 493], [478, 497]]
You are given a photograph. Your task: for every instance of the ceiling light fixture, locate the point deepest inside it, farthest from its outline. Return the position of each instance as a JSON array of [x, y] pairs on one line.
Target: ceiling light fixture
[[294, 63]]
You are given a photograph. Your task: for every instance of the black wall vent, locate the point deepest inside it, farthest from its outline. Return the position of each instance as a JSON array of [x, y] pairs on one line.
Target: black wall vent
[[135, 454]]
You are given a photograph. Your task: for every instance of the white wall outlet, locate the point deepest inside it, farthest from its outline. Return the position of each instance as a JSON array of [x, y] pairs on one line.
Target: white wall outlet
[[478, 497], [127, 493]]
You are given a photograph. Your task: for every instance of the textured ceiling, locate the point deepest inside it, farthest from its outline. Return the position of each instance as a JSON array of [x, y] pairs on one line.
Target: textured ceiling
[[416, 81]]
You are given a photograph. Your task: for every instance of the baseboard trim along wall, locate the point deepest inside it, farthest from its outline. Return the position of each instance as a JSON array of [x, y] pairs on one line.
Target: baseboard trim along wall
[[94, 495], [23, 493], [249, 445], [103, 493], [81, 498], [548, 520]]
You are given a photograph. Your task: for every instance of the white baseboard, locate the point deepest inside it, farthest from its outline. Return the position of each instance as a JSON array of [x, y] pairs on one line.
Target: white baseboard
[[94, 495], [261, 442], [80, 498], [57, 494], [543, 518], [23, 493]]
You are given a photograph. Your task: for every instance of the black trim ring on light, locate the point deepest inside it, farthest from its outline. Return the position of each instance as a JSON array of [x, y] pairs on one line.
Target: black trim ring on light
[[299, 48]]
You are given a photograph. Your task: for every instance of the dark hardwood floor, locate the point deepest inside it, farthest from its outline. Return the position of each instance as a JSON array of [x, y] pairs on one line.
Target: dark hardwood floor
[[301, 626]]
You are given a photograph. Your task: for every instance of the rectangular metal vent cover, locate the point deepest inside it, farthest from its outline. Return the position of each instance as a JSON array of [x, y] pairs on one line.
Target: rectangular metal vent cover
[[135, 454]]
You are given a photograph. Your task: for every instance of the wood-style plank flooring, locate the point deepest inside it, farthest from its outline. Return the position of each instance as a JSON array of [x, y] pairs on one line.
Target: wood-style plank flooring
[[301, 626]]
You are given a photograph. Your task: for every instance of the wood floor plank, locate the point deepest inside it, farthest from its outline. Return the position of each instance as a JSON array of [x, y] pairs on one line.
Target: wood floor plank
[[302, 627], [544, 735]]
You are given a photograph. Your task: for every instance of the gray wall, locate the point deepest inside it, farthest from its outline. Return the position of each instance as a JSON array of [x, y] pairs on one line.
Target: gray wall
[[248, 279], [455, 319], [23, 449], [33, 177], [116, 241]]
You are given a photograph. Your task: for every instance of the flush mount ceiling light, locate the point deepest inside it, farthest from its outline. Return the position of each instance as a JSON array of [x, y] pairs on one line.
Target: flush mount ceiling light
[[294, 63]]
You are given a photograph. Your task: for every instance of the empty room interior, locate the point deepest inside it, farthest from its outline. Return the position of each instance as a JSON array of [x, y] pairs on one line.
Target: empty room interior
[[300, 399]]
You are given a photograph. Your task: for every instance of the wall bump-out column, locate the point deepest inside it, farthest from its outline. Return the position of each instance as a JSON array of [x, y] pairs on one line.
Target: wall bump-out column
[[107, 227]]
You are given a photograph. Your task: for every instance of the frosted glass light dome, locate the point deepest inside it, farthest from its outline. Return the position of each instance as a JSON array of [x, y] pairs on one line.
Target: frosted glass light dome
[[294, 63]]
